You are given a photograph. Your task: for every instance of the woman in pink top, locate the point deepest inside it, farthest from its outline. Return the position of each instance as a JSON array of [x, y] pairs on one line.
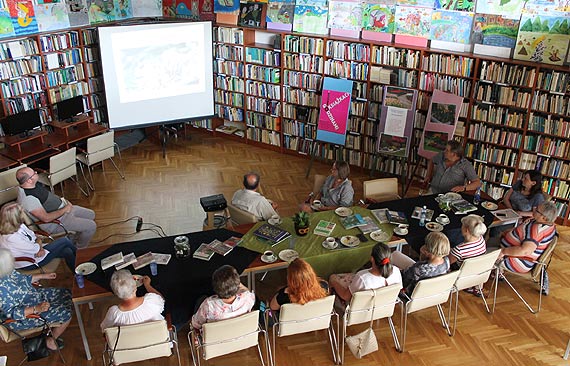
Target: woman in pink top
[[132, 309]]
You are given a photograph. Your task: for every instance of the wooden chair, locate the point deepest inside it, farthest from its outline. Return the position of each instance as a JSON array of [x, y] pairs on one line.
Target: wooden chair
[[99, 149], [61, 167], [227, 336], [139, 342], [381, 190]]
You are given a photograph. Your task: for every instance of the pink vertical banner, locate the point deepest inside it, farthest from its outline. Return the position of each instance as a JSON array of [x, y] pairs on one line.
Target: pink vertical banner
[[335, 106]]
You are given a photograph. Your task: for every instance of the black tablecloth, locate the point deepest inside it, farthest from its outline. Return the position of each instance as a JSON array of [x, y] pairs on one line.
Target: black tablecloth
[[416, 234], [182, 281]]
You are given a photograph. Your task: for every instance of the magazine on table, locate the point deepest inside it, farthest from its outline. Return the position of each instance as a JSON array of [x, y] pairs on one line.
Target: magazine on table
[[111, 260], [143, 260], [161, 258], [381, 214], [204, 252], [271, 233], [220, 247], [463, 206], [418, 211], [324, 228], [370, 225], [352, 221], [397, 217], [127, 260]]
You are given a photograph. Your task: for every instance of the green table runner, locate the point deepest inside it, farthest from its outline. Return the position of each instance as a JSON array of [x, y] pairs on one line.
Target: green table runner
[[324, 261]]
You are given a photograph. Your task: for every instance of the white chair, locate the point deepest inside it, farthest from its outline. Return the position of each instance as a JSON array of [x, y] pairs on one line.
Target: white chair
[[309, 317], [567, 353], [318, 183], [49, 267], [381, 190], [360, 306], [427, 293], [61, 167], [227, 336], [138, 342], [536, 275], [474, 272], [239, 216], [9, 185], [100, 148]]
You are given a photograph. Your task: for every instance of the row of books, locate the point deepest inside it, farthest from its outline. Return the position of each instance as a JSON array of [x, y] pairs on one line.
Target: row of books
[[548, 103], [18, 49], [500, 72], [549, 124], [449, 64], [554, 81], [449, 84], [498, 115], [495, 93], [497, 135], [207, 250], [491, 154], [494, 174], [120, 261]]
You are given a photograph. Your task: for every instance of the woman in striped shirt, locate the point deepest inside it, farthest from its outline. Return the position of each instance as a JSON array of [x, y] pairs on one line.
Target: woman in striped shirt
[[473, 228]]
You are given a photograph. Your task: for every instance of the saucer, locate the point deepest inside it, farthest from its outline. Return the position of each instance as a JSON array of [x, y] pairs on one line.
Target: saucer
[[316, 208], [343, 211], [273, 221], [434, 226], [491, 206], [288, 255], [379, 235], [442, 221], [266, 259], [86, 268], [349, 241], [399, 231], [326, 245]]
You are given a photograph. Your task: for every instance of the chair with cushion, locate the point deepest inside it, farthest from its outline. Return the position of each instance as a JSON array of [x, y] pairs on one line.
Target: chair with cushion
[[318, 183], [227, 336], [474, 272], [9, 185], [429, 292], [99, 149], [381, 190], [61, 167], [139, 342], [536, 274], [49, 267], [360, 308], [309, 317], [239, 216]]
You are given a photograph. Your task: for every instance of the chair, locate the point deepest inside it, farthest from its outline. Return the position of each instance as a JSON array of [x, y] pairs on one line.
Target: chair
[[61, 167], [9, 185], [138, 342], [536, 274], [474, 272], [227, 336], [309, 317], [239, 216], [99, 148], [429, 292], [567, 353], [380, 190], [358, 311], [49, 267], [318, 183]]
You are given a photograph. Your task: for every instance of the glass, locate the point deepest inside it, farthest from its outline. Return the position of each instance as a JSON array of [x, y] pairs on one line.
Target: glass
[[80, 280], [153, 268]]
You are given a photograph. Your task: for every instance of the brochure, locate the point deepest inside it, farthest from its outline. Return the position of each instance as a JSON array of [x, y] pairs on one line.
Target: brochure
[[397, 218], [143, 260], [418, 210], [370, 225], [111, 260], [324, 228], [352, 221], [204, 252], [127, 260], [381, 214], [161, 258]]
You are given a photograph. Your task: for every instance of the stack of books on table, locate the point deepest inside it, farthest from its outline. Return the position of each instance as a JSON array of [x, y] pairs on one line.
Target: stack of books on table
[[324, 228], [272, 234], [223, 248], [463, 206], [352, 221], [397, 217], [204, 252]]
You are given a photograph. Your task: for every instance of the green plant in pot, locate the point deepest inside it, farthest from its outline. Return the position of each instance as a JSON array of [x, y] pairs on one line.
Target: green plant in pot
[[301, 221]]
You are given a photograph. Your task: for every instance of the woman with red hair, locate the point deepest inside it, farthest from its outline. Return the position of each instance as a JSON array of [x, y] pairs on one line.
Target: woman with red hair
[[303, 286]]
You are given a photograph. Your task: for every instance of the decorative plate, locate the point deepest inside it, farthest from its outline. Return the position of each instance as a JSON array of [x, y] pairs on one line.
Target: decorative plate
[[326, 245], [86, 268], [434, 226], [343, 211], [138, 279], [288, 255], [491, 206], [350, 241], [379, 235]]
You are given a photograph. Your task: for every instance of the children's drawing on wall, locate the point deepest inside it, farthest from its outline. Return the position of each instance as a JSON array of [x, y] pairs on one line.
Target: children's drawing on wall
[[51, 16], [311, 17], [460, 5], [435, 141], [543, 39], [250, 15], [123, 9], [413, 21], [345, 15], [495, 30], [378, 17], [225, 6], [23, 17], [6, 26], [443, 113], [280, 12], [77, 12], [451, 26], [503, 7], [101, 11]]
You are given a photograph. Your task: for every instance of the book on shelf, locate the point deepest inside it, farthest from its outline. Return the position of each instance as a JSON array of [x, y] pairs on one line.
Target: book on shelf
[[229, 130], [352, 221], [204, 252], [271, 233], [463, 206], [418, 210], [161, 258], [381, 214], [127, 261], [324, 228], [370, 225], [507, 214], [396, 217], [143, 260], [222, 248], [111, 260]]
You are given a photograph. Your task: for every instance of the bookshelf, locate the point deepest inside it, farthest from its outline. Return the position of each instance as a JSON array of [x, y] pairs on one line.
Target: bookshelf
[[95, 101]]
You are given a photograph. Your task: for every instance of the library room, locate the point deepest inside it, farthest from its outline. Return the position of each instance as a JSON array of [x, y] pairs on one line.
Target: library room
[[196, 181]]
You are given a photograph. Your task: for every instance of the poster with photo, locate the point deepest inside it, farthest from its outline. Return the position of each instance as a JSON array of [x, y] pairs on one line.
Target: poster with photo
[[434, 142], [393, 145], [396, 120], [399, 97], [443, 113]]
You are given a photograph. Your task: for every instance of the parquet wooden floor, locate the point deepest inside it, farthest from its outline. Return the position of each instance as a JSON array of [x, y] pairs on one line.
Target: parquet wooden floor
[[166, 192]]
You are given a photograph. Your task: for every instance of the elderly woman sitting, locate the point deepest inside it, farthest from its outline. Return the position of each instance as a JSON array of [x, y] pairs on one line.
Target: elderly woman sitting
[[132, 309], [19, 300], [232, 298]]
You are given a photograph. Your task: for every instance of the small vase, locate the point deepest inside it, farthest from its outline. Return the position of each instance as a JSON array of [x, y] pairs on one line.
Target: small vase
[[301, 231]]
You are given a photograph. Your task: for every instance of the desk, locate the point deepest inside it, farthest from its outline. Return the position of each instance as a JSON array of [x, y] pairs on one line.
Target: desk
[[324, 261]]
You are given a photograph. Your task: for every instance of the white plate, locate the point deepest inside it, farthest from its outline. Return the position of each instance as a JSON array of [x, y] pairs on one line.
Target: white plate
[[273, 221], [491, 206], [86, 268], [266, 259], [379, 235], [288, 255], [350, 241], [452, 196], [434, 226], [138, 279], [399, 231], [326, 245], [442, 221], [343, 211]]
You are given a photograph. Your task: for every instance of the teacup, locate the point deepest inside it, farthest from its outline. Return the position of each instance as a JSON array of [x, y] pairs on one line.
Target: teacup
[[443, 219], [275, 220], [317, 203], [401, 229], [269, 256], [330, 241]]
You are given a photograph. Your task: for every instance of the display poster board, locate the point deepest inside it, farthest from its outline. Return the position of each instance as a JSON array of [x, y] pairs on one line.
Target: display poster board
[[334, 109], [396, 121], [441, 121]]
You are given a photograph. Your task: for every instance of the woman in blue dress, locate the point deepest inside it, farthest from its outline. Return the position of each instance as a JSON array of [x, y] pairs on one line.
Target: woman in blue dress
[[19, 299]]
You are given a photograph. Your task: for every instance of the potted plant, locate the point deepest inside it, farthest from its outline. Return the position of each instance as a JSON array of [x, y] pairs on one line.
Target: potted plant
[[301, 221]]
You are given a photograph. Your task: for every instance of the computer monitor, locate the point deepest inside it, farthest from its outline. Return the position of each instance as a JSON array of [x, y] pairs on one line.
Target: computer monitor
[[21, 123], [69, 108]]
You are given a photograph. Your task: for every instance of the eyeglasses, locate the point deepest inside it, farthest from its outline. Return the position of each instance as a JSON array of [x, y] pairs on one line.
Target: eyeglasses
[[537, 211]]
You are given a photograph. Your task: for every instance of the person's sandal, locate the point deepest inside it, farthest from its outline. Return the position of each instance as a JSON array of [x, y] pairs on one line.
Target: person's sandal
[[474, 291]]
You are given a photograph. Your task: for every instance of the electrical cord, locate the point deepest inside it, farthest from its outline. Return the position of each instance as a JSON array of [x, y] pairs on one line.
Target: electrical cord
[[129, 234], [156, 226], [120, 222]]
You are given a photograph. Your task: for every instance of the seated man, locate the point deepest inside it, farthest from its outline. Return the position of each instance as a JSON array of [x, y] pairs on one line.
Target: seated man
[[45, 206], [525, 243], [449, 171], [248, 199]]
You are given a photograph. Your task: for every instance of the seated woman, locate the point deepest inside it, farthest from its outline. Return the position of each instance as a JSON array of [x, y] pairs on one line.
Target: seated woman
[[232, 298], [525, 194], [434, 261], [132, 309], [472, 228], [22, 242], [337, 190], [19, 299], [303, 286], [382, 273]]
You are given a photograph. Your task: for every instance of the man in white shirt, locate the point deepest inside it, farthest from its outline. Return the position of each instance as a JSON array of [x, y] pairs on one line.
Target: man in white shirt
[[248, 199]]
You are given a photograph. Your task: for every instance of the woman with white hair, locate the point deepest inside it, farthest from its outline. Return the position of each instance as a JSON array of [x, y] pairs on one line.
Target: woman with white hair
[[473, 229], [132, 309], [20, 301]]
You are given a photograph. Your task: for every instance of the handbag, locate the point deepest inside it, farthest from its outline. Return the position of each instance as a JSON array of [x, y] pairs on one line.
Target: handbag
[[35, 347], [364, 342]]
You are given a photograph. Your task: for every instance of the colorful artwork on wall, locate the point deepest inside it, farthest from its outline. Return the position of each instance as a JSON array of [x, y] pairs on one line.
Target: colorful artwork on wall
[[460, 5], [6, 26], [23, 17], [413, 21], [543, 38], [345, 15], [495, 30], [311, 16], [451, 26], [51, 16], [378, 17], [225, 6], [101, 11], [77, 12], [503, 7], [280, 12], [147, 8]]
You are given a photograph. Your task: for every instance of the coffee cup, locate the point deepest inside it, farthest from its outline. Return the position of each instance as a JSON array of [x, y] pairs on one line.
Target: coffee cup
[[275, 220], [401, 229], [330, 241], [443, 218], [269, 255], [317, 203]]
